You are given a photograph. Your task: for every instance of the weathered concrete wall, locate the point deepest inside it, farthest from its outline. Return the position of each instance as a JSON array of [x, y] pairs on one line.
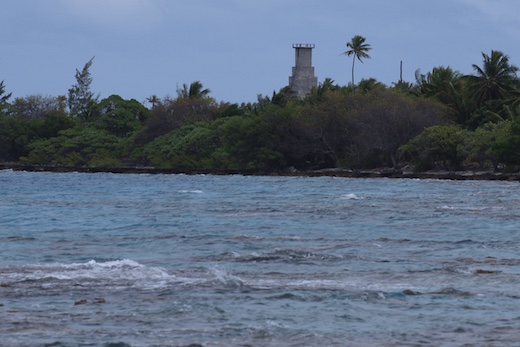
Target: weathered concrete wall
[[302, 79]]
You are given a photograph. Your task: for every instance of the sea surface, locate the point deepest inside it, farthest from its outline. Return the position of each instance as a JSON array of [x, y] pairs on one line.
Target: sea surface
[[118, 260]]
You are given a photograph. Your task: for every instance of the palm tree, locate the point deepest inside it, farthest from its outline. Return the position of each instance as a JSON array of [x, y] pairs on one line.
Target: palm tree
[[442, 82], [447, 86], [195, 90], [153, 99], [496, 79], [326, 86], [369, 84], [358, 49]]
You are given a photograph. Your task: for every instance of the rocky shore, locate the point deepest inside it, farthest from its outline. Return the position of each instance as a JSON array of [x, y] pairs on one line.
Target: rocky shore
[[337, 172]]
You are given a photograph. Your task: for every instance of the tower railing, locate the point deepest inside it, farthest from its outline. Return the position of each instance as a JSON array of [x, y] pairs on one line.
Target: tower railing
[[303, 45]]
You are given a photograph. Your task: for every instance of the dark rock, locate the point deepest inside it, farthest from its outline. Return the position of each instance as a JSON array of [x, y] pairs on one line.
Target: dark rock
[[411, 292]]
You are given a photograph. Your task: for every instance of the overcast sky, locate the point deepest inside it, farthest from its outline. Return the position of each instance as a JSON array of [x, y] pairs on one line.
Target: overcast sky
[[239, 48]]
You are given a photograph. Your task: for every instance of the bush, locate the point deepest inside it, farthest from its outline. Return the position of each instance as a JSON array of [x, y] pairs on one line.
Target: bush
[[436, 147], [75, 147]]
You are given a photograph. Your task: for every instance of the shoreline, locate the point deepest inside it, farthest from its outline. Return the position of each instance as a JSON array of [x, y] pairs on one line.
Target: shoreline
[[333, 172]]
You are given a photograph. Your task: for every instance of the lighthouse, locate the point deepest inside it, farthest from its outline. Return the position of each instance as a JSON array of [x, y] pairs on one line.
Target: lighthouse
[[302, 79]]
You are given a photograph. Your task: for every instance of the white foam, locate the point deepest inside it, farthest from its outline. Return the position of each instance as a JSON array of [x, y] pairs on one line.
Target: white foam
[[463, 208], [222, 275], [195, 191], [351, 196], [115, 272], [116, 264]]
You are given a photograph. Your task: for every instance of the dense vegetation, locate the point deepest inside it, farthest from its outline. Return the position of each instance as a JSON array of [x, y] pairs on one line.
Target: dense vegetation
[[444, 120]]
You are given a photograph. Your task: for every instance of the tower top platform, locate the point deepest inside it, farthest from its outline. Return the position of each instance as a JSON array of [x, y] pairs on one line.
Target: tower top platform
[[303, 45]]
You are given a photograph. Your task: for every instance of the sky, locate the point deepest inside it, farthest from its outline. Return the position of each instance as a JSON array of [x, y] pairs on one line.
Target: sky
[[240, 48]]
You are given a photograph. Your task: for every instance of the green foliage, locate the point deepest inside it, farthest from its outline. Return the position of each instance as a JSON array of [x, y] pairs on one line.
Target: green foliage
[[318, 134], [436, 147], [38, 106], [4, 97], [443, 121], [194, 91], [358, 129], [55, 122], [154, 100], [190, 147], [16, 134], [480, 146], [447, 86], [118, 116], [405, 88], [171, 114], [226, 109], [357, 49], [80, 97], [369, 84], [247, 143], [507, 144], [235, 142], [76, 147], [494, 80], [386, 120]]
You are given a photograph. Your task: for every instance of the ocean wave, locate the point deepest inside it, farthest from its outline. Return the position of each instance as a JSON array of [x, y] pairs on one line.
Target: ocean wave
[[351, 197], [467, 208], [224, 277], [278, 255], [114, 272], [194, 191]]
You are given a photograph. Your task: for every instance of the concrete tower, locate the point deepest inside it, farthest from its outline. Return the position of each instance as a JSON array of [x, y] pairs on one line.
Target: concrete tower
[[302, 79]]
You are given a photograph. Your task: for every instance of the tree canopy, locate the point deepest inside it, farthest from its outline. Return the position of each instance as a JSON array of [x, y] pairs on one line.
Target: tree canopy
[[80, 96], [358, 49], [442, 120]]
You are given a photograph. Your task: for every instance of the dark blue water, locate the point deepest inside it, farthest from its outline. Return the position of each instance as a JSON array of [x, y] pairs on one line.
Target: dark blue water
[[174, 260]]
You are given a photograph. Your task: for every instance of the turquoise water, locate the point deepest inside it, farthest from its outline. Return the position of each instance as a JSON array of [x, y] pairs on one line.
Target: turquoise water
[[174, 260]]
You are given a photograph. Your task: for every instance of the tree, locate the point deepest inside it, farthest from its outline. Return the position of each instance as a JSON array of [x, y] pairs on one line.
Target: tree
[[506, 146], [480, 146], [153, 99], [81, 97], [404, 87], [75, 147], [37, 106], [358, 49], [3, 99], [319, 133], [436, 147], [194, 91], [17, 133], [248, 143], [118, 116], [447, 86], [385, 120], [370, 84], [317, 93], [171, 114], [442, 82], [496, 79]]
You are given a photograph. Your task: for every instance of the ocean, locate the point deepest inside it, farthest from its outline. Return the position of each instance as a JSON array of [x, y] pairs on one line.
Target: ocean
[[119, 260]]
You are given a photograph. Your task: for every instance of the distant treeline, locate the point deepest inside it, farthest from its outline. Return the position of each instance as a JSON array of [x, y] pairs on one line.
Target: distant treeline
[[444, 120]]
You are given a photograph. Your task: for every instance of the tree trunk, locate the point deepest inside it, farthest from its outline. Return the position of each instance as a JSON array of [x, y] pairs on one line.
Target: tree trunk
[[353, 61]]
